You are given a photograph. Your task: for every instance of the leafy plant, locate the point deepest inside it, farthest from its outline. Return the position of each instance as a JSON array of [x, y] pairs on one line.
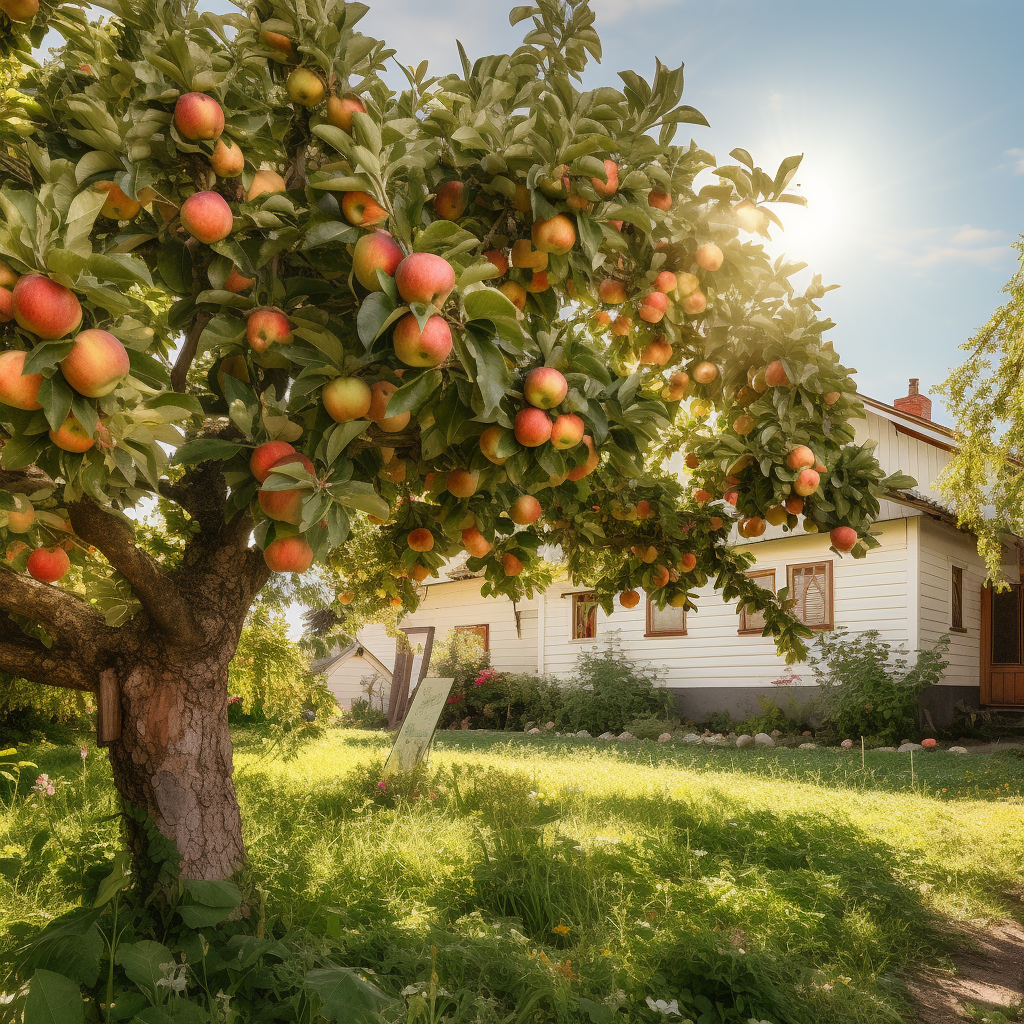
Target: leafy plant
[[364, 715]]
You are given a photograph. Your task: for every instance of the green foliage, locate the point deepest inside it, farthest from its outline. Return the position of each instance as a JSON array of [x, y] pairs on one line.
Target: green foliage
[[867, 688], [651, 726], [983, 480], [28, 709], [364, 715], [608, 690], [772, 716]]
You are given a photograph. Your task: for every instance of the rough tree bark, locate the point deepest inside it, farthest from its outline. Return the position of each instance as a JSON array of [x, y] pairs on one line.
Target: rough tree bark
[[173, 759]]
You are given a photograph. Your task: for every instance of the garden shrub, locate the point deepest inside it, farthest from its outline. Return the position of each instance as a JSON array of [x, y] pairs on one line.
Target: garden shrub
[[650, 727], [720, 721], [608, 690], [773, 717], [867, 687], [364, 715]]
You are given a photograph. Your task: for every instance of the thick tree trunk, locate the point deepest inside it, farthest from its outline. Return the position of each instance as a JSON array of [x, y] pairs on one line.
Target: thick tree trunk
[[173, 758]]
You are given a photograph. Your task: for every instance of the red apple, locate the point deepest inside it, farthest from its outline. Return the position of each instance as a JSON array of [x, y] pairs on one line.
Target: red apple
[[526, 509], [659, 199], [375, 251], [118, 205], [346, 398], [380, 395], [511, 565], [427, 348], [450, 200], [567, 431], [96, 364], [653, 307], [48, 565], [461, 483], [424, 277], [661, 577], [709, 257], [657, 353], [306, 87], [475, 542], [609, 187], [844, 538], [556, 235], [688, 561], [276, 41], [694, 303], [72, 436], [515, 293], [236, 282], [361, 209], [525, 257], [265, 327], [532, 427], [629, 599], [285, 506], [227, 159], [265, 455], [288, 554], [705, 372], [611, 292], [666, 282], [643, 509], [207, 217], [489, 441], [420, 539], [21, 10], [752, 527], [499, 259], [775, 375], [17, 390], [800, 457], [806, 482], [622, 326], [545, 387], [590, 465], [340, 110], [198, 117], [794, 505], [677, 387], [539, 282], [45, 308]]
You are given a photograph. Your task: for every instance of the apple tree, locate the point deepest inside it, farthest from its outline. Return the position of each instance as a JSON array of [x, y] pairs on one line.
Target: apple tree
[[245, 278]]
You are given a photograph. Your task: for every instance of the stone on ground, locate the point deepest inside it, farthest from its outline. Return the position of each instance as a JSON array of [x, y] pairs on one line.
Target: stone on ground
[[762, 739], [907, 747], [744, 740]]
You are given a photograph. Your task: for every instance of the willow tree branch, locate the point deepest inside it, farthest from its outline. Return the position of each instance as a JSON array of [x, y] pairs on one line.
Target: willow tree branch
[[157, 593]]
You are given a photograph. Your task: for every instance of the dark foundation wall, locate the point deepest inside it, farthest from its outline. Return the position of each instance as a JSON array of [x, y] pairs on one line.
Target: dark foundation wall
[[698, 702]]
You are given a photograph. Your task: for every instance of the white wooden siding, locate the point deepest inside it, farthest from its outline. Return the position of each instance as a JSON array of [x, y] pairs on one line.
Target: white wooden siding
[[345, 681], [897, 451]]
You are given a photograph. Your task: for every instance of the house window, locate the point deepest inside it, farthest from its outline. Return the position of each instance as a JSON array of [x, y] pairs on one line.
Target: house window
[[667, 621], [810, 588], [584, 616], [751, 621], [1006, 631], [956, 611], [484, 632]]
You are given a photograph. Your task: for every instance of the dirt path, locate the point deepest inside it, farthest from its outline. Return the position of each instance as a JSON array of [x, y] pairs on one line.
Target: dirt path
[[989, 973]]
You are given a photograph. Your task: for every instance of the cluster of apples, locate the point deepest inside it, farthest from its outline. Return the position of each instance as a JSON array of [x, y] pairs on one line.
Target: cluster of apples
[[95, 366], [47, 563]]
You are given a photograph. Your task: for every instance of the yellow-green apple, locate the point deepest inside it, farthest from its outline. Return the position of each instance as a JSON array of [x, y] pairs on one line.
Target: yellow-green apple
[[659, 199], [207, 217], [656, 353], [346, 398], [424, 277], [677, 387], [306, 87], [48, 565], [510, 565], [340, 110], [276, 41], [515, 293], [20, 10], [688, 561], [744, 424], [775, 375], [461, 483], [523, 202], [539, 282], [661, 577], [525, 257], [420, 539], [450, 200], [380, 395], [545, 387], [526, 509], [288, 554], [776, 515], [429, 347], [622, 325], [475, 542], [265, 455], [227, 159], [361, 209], [800, 457], [567, 431], [590, 465], [18, 390], [285, 506], [8, 279], [532, 427], [709, 257], [489, 441], [71, 436], [375, 251], [686, 284], [629, 599], [758, 382], [555, 235], [45, 308], [694, 303], [198, 117], [705, 372], [21, 518], [499, 259], [265, 327], [653, 307], [844, 538], [236, 282], [806, 482], [665, 282], [748, 217], [264, 182], [96, 364], [609, 187], [831, 397], [117, 205], [794, 504]]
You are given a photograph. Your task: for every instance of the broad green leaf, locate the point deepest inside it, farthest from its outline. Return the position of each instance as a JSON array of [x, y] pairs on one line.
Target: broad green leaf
[[346, 996], [485, 303], [144, 962], [205, 449], [53, 999]]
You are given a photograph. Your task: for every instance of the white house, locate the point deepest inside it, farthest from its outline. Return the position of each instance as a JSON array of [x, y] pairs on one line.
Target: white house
[[923, 582]]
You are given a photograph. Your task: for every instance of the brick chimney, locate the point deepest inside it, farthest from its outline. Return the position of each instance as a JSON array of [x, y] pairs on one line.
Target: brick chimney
[[915, 403]]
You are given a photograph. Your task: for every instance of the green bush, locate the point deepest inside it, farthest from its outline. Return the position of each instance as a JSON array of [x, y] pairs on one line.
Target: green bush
[[869, 688], [650, 727], [773, 717], [364, 715], [607, 691]]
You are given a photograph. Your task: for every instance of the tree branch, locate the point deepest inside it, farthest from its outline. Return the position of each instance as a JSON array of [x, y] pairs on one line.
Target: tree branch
[[158, 594], [202, 493], [61, 613], [30, 659], [183, 363]]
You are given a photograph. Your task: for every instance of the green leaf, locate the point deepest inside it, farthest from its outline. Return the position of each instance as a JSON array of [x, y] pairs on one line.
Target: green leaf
[[413, 394], [53, 999], [112, 884], [342, 435], [346, 996], [487, 303], [361, 496], [205, 449], [144, 961], [373, 314], [55, 396], [174, 264], [46, 354]]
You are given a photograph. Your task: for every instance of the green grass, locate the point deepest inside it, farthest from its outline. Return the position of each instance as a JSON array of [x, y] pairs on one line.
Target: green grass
[[787, 886]]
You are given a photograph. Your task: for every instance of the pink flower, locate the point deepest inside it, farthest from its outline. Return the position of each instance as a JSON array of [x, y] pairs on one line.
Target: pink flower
[[234, 700], [44, 786], [382, 785], [457, 699], [83, 753], [485, 677]]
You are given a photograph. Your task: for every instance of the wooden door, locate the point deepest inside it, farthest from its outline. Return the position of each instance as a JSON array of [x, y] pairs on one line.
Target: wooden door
[[1002, 646]]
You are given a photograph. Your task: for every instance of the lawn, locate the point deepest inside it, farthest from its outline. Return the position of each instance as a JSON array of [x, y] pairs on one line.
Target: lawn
[[549, 879]]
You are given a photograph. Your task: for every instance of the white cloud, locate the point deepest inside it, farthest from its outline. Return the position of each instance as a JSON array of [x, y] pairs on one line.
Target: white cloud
[[918, 250], [935, 254], [1017, 155], [975, 236]]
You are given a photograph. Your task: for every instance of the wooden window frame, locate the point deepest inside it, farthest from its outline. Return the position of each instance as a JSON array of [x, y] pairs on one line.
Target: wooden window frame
[[744, 629], [474, 629], [955, 627], [830, 578], [651, 631], [573, 598]]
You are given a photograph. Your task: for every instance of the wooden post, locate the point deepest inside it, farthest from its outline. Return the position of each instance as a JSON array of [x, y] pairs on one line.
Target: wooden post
[[402, 683], [108, 709]]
